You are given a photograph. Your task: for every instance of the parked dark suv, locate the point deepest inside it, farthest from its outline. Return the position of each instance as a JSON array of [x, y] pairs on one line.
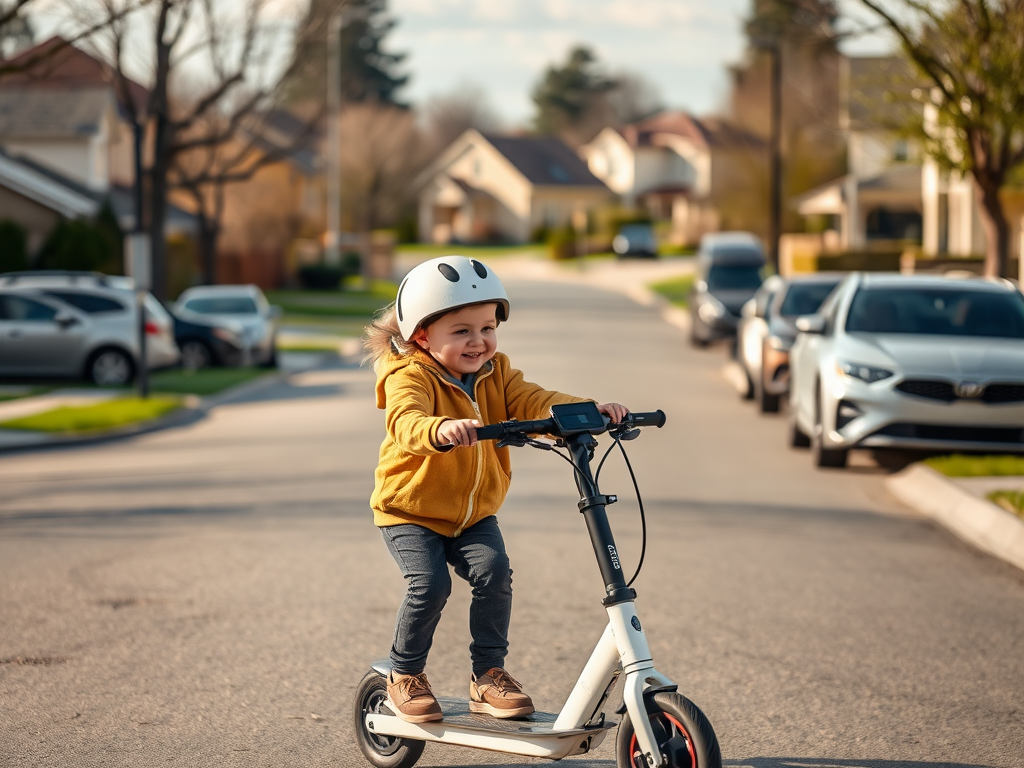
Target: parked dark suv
[[730, 269]]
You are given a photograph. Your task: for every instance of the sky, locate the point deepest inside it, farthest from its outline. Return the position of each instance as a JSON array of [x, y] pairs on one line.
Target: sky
[[502, 47], [683, 47]]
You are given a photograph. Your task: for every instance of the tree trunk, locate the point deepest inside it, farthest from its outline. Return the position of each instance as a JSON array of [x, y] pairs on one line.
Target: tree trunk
[[158, 211], [997, 230], [209, 232]]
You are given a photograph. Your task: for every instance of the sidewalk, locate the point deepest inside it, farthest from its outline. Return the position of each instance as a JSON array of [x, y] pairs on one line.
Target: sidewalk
[[194, 407]]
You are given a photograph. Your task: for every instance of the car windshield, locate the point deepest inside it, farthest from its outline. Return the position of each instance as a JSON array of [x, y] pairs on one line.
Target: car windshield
[[937, 312], [734, 278], [223, 305], [805, 298]]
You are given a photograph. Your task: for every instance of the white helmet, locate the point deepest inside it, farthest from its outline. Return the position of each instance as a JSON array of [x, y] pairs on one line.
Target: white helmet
[[443, 284]]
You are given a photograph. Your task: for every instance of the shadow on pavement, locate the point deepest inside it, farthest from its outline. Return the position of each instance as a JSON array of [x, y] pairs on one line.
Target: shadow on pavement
[[821, 762]]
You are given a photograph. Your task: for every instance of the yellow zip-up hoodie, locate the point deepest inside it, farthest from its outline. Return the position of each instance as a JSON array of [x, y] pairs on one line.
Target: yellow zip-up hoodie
[[443, 489]]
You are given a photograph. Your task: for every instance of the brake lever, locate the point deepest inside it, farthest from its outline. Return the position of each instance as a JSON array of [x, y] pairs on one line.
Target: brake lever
[[514, 440]]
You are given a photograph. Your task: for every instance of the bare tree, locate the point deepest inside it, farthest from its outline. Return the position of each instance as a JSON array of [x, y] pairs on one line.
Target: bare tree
[[383, 151], [969, 52], [231, 43], [633, 98], [449, 115]]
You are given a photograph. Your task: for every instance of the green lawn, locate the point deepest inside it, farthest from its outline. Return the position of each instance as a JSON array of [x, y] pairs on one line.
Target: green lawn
[[428, 250], [1011, 501], [93, 418], [676, 290], [208, 381], [959, 465]]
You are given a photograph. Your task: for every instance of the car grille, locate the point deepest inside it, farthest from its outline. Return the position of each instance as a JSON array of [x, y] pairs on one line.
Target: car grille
[[945, 391], [1004, 393], [1010, 435]]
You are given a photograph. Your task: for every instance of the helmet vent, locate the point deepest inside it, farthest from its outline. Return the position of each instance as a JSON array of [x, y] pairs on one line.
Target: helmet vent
[[479, 268], [449, 272]]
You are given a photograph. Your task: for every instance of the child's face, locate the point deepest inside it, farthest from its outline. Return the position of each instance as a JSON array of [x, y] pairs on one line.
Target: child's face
[[463, 340]]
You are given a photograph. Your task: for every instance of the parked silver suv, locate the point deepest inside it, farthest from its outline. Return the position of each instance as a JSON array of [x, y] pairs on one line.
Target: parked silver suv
[[78, 324]]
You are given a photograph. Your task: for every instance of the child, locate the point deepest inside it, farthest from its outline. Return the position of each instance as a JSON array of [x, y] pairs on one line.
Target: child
[[437, 488]]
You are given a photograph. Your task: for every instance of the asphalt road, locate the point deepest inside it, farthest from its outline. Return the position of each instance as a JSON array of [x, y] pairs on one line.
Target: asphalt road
[[211, 596]]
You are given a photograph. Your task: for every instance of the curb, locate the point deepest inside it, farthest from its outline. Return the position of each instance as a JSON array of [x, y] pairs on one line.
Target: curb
[[975, 520]]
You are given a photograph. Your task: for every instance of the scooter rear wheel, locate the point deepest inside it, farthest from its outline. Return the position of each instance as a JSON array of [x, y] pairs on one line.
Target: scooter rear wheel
[[684, 735], [381, 751]]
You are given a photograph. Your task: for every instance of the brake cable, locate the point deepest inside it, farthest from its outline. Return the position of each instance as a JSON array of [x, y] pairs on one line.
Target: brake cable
[[616, 441]]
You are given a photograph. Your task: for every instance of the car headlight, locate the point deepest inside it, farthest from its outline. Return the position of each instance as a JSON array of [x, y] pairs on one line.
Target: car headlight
[[229, 336], [711, 309], [867, 373], [780, 343]]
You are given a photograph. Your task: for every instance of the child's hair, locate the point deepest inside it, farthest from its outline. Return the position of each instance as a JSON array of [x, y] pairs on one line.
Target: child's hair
[[382, 338]]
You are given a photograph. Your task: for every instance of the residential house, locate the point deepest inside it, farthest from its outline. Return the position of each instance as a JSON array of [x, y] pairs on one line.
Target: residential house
[[494, 188], [61, 125], [877, 205], [677, 167]]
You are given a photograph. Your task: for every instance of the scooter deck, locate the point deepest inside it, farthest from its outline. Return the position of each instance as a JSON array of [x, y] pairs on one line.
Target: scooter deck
[[456, 713]]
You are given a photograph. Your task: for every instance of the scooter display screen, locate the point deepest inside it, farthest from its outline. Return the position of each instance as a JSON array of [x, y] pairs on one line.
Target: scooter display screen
[[572, 418]]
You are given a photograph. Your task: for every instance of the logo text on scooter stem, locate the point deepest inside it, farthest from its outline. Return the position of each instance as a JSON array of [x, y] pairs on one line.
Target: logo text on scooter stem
[[615, 557], [636, 624]]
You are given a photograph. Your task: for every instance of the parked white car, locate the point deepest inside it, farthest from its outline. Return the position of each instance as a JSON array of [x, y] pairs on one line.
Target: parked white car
[[244, 305], [921, 362], [68, 324]]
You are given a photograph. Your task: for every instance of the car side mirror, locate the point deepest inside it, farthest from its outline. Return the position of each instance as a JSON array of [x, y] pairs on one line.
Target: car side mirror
[[65, 319], [810, 324]]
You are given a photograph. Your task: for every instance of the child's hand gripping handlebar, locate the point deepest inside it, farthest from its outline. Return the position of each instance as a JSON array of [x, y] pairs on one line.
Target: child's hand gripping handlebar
[[513, 428]]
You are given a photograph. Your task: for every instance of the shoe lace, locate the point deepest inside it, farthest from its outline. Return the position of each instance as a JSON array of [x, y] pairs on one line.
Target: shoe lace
[[415, 685], [504, 682]]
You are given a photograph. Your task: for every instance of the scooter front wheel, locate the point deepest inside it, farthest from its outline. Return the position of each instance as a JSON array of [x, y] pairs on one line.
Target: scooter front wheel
[[381, 751], [684, 735]]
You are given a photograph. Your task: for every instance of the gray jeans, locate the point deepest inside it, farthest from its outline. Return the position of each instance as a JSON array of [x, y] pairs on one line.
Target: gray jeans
[[478, 556]]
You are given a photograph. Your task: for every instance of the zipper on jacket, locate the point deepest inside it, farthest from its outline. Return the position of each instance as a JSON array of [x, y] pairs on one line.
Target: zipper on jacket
[[479, 446], [476, 480]]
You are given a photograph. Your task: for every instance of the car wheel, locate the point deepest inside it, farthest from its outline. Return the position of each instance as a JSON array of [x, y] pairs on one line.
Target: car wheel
[[834, 458], [195, 355], [271, 361], [110, 368], [695, 339], [797, 438], [766, 401]]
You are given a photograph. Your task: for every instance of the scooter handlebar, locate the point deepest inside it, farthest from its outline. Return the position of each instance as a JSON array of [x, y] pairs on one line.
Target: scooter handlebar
[[548, 426]]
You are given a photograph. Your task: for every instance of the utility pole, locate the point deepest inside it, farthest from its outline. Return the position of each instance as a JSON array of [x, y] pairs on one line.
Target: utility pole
[[775, 150], [139, 266], [332, 250]]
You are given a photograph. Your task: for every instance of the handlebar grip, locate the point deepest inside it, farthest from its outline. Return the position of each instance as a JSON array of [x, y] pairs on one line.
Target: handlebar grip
[[490, 432], [649, 419]]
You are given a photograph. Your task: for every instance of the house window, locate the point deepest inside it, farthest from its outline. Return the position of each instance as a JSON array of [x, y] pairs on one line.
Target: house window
[[901, 151]]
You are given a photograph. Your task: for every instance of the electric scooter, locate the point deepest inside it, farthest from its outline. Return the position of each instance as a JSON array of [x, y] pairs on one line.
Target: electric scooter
[[659, 727]]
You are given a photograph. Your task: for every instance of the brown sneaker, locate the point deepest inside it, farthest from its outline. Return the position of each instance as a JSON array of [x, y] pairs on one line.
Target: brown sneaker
[[410, 698], [496, 693]]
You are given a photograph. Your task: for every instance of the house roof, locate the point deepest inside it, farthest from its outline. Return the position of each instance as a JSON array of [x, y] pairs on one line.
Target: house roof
[[544, 160], [28, 112], [54, 64], [899, 180], [30, 180], [703, 131], [71, 199]]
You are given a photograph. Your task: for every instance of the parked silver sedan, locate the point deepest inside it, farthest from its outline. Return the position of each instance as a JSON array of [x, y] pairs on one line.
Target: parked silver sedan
[[767, 330], [892, 361], [244, 305], [78, 325]]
